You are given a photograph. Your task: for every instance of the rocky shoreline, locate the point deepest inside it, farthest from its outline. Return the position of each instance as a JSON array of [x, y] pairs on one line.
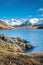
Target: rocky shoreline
[[12, 52], [16, 44]]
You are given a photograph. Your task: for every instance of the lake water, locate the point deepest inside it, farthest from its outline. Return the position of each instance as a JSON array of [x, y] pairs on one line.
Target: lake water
[[34, 36]]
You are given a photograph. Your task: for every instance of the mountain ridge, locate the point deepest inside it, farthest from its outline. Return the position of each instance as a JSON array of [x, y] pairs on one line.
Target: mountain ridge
[[12, 23]]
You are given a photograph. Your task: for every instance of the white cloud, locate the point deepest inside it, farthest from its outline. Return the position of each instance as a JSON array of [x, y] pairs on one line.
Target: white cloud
[[41, 14], [34, 21], [40, 9]]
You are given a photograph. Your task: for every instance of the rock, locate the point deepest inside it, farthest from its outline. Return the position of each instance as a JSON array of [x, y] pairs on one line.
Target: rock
[[5, 38], [18, 44], [21, 40], [28, 46]]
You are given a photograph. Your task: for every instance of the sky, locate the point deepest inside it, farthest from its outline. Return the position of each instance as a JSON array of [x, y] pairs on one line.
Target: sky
[[21, 8]]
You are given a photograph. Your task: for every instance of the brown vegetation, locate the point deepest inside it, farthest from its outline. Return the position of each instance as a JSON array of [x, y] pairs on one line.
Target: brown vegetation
[[12, 52], [16, 58]]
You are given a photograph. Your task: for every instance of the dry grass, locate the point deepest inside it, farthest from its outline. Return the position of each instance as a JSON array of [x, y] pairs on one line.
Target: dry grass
[[9, 55], [17, 58], [10, 47]]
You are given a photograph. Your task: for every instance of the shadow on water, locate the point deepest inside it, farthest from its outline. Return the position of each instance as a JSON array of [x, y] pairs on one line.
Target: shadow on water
[[29, 50]]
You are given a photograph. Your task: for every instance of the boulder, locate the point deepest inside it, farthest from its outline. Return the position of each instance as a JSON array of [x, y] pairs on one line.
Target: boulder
[[21, 40], [28, 46]]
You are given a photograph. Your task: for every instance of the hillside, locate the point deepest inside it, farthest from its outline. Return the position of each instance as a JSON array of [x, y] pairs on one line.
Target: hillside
[[12, 52], [4, 25], [13, 44], [16, 58]]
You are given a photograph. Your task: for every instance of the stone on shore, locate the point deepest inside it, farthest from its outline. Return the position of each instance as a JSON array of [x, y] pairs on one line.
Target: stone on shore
[[14, 44]]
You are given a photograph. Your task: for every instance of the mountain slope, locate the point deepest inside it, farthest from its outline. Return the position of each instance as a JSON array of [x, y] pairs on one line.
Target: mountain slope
[[15, 22], [4, 25]]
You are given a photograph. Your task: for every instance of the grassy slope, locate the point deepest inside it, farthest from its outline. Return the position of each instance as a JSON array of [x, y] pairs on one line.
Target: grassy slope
[[9, 56], [16, 58]]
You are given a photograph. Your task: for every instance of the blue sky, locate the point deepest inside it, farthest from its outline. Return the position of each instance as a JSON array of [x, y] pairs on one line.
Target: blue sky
[[21, 8]]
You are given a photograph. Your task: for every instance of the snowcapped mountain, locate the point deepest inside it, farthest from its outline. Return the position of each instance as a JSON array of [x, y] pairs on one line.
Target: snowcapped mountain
[[40, 21], [15, 22], [34, 21], [4, 24], [20, 22], [25, 22]]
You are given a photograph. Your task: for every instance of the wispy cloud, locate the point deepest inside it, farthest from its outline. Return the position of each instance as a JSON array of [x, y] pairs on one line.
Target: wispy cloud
[[42, 15], [40, 9]]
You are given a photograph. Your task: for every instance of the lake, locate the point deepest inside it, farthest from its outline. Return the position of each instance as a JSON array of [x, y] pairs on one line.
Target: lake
[[34, 36]]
